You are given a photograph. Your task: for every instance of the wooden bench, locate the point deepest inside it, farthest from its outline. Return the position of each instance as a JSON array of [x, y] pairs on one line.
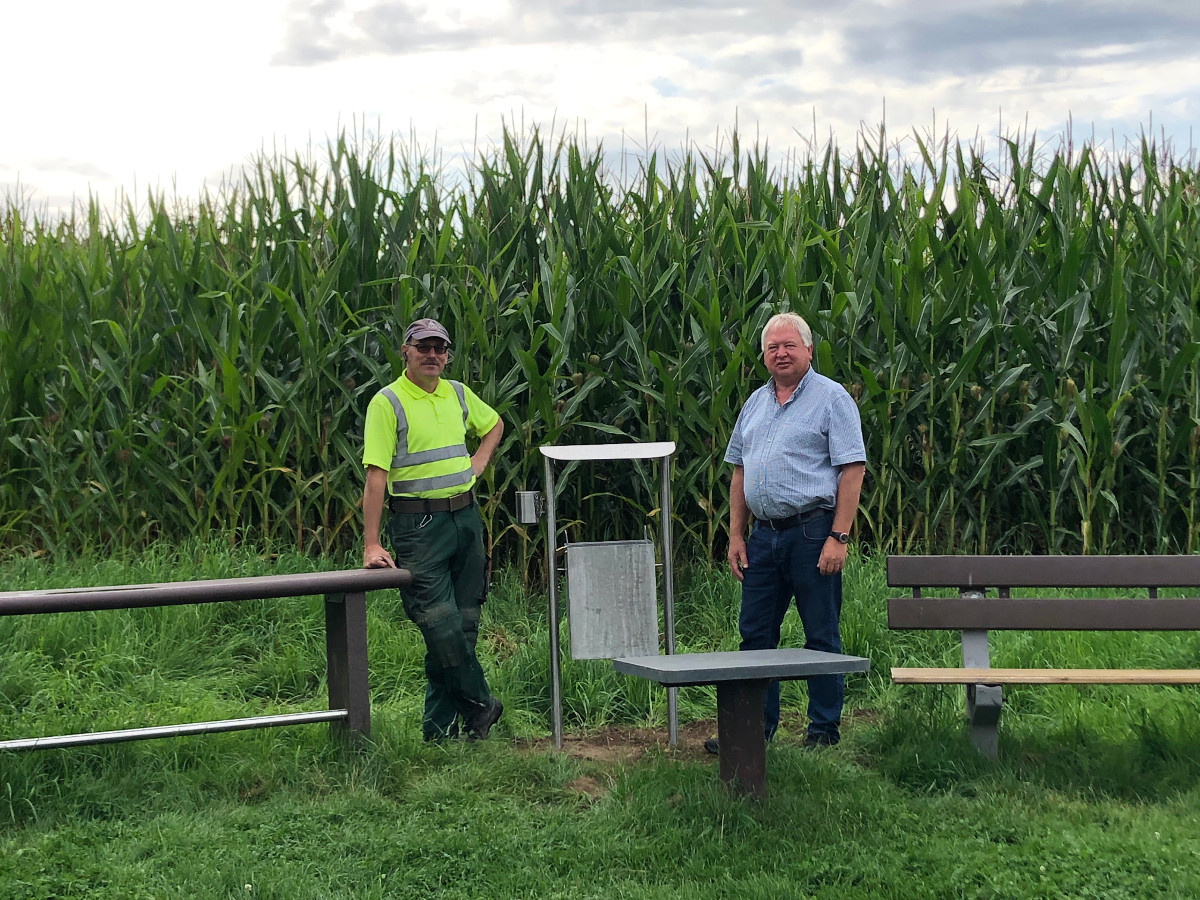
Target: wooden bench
[[741, 678], [974, 614], [349, 712]]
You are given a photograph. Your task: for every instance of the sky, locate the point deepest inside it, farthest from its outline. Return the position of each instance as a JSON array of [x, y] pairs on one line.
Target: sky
[[109, 99]]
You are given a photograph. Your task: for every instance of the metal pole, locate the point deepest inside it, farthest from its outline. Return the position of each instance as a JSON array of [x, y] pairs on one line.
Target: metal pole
[[182, 593], [164, 731], [668, 595], [552, 590]]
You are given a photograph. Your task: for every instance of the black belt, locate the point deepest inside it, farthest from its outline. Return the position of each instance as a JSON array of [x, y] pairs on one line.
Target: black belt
[[792, 521], [438, 504]]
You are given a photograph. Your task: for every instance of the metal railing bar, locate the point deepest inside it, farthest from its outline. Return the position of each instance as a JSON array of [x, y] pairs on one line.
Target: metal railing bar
[[179, 593], [162, 731]]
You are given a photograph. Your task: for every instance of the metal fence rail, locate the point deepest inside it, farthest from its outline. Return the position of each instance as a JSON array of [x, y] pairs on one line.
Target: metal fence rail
[[349, 712]]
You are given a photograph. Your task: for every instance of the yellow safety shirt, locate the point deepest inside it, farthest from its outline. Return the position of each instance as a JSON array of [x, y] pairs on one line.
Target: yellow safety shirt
[[420, 437]]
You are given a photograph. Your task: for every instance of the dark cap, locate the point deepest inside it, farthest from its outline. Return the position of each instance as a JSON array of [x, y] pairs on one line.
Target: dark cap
[[425, 328]]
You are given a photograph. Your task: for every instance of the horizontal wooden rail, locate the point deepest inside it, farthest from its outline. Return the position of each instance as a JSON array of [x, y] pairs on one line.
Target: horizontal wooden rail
[[1045, 676], [1046, 613], [1043, 571]]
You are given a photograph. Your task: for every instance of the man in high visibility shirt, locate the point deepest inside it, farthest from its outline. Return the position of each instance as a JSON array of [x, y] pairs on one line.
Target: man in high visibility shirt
[[415, 455]]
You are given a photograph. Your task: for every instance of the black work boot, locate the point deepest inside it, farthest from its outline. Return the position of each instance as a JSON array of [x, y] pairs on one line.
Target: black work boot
[[481, 723], [819, 740]]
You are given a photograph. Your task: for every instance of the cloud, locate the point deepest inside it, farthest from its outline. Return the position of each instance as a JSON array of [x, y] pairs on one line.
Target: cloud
[[42, 204], [320, 31], [690, 61], [64, 166], [918, 42]]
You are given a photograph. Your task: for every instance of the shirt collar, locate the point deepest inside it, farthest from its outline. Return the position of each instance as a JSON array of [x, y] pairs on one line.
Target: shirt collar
[[415, 390], [799, 386]]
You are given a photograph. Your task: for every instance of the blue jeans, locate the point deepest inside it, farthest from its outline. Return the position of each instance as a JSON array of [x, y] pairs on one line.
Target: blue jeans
[[783, 565]]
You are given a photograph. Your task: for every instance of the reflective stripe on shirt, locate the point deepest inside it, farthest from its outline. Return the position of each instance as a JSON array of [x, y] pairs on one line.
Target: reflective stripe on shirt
[[420, 436], [403, 457]]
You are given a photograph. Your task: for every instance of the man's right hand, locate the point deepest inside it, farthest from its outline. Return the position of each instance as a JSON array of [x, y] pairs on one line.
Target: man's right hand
[[375, 557], [737, 557]]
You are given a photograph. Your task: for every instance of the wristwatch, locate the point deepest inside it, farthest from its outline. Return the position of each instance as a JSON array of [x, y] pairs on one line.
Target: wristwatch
[[842, 537]]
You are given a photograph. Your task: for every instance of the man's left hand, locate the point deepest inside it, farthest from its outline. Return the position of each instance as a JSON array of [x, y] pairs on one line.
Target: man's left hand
[[833, 557]]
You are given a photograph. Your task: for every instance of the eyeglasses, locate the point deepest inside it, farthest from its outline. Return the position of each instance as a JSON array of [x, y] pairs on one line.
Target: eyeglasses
[[425, 348]]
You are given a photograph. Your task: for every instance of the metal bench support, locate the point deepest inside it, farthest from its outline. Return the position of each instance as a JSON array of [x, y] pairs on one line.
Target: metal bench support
[[983, 700]]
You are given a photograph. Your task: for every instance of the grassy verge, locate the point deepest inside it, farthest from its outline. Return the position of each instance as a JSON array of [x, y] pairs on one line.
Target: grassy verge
[[1094, 794]]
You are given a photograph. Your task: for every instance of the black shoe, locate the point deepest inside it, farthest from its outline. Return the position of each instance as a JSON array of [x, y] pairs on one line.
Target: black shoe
[[820, 740], [711, 745], [481, 723]]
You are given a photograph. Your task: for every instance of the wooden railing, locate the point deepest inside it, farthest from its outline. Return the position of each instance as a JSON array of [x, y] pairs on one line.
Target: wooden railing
[[349, 712]]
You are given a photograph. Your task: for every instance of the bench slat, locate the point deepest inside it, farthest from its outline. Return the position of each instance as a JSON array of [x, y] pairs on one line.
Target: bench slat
[[1044, 571], [785, 663], [1046, 613], [1045, 676]]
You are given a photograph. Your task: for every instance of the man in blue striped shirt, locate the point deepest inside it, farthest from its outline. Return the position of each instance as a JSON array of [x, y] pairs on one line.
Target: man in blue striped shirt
[[798, 457]]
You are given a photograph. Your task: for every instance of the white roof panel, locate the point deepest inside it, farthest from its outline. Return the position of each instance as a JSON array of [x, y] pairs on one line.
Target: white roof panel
[[568, 452]]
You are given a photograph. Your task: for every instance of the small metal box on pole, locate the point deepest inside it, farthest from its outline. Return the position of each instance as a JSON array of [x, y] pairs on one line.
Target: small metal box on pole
[[611, 585]]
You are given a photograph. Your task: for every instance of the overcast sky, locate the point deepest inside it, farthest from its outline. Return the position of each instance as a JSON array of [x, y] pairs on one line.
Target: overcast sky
[[112, 97]]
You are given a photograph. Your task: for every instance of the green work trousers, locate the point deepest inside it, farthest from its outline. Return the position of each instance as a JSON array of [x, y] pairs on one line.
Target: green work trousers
[[444, 552]]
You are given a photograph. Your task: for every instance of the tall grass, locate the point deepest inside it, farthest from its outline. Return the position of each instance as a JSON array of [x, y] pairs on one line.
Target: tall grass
[[1094, 793], [1021, 333]]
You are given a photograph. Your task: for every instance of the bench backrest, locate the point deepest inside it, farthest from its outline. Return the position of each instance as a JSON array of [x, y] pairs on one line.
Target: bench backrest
[[965, 572], [976, 574]]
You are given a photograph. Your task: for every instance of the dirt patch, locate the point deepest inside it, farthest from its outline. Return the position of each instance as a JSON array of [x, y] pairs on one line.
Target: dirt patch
[[624, 744]]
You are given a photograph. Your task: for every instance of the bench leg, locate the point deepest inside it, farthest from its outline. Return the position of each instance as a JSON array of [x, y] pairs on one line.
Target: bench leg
[[740, 734], [983, 700], [346, 662], [983, 712]]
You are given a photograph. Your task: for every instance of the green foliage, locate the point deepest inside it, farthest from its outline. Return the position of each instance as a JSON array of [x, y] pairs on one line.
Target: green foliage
[[1021, 334]]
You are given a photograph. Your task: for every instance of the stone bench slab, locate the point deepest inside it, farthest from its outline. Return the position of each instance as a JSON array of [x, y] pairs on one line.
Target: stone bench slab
[[685, 669]]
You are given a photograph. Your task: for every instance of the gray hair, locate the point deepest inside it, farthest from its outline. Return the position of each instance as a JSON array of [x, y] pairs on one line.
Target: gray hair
[[792, 320]]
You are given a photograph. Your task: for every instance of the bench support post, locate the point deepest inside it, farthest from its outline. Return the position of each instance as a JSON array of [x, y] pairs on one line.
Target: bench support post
[[983, 700], [741, 737], [346, 660], [983, 714]]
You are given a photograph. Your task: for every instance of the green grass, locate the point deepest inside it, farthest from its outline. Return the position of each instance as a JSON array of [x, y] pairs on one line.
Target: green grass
[[1094, 795]]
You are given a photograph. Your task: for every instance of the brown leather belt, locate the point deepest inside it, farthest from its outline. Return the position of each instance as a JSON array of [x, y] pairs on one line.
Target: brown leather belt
[[437, 504]]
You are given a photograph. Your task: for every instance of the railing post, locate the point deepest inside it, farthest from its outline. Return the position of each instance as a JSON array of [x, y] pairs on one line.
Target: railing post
[[346, 662]]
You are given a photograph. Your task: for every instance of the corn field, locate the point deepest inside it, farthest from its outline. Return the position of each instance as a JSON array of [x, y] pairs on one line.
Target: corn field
[[1020, 332]]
